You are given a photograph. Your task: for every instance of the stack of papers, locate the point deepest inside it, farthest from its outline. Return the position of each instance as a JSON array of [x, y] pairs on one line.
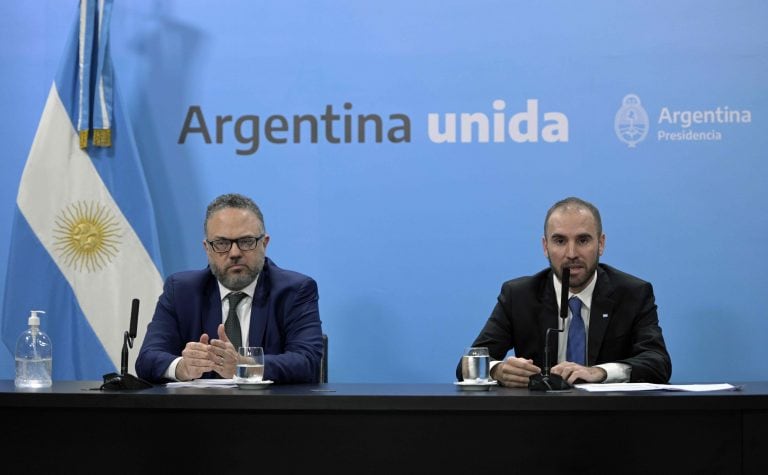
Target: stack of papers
[[204, 383], [597, 388]]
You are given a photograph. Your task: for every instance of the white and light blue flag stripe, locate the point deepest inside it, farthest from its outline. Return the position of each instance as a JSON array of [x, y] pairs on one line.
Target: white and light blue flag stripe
[[84, 242]]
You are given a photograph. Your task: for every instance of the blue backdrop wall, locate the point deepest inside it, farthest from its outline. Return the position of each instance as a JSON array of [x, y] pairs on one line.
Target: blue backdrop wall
[[490, 111]]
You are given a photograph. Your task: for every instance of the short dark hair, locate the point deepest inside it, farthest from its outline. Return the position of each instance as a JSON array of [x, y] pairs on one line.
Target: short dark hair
[[232, 200], [576, 203]]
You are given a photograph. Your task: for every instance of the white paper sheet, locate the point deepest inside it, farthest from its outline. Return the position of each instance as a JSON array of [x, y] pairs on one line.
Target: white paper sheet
[[204, 383], [597, 388]]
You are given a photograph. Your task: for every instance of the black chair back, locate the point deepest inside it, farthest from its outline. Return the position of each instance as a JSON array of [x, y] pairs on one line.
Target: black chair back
[[323, 376]]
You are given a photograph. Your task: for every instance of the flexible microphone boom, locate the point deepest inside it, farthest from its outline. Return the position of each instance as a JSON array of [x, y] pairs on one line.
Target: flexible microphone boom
[[129, 336], [546, 381], [124, 380]]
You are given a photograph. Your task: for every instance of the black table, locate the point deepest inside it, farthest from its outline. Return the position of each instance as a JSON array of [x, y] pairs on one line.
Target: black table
[[381, 428]]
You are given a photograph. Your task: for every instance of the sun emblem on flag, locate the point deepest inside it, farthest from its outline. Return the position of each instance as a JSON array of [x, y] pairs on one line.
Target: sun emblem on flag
[[87, 236]]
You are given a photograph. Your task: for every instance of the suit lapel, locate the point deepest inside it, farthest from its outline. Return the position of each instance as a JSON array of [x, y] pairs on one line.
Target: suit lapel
[[600, 314], [259, 308], [548, 318], [211, 312]]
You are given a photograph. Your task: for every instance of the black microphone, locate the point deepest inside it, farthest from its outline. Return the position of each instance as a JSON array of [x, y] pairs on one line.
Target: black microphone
[[124, 380], [566, 281], [134, 320], [546, 381]]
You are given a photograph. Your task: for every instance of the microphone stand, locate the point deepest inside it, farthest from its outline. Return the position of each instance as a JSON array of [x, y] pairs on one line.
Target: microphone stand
[[124, 380], [127, 341], [546, 381]]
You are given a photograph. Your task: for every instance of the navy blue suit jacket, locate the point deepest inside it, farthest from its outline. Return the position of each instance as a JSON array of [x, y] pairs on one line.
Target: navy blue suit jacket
[[285, 321]]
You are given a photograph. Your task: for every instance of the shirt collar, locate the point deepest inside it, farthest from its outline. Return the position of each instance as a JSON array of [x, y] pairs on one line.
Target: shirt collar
[[585, 295], [249, 290]]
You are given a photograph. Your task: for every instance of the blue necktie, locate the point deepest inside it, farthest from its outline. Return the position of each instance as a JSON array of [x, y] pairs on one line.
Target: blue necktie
[[577, 337]]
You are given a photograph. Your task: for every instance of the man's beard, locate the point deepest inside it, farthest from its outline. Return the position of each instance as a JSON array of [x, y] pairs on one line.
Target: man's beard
[[589, 268], [237, 281]]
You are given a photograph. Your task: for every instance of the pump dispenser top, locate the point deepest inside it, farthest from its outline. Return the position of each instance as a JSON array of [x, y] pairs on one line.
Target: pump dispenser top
[[34, 320]]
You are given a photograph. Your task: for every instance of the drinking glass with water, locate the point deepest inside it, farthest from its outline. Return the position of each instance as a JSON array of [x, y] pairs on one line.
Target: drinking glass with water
[[250, 364], [475, 364]]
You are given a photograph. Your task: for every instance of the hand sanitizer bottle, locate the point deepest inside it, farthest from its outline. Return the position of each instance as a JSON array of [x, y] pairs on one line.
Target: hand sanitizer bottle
[[34, 357]]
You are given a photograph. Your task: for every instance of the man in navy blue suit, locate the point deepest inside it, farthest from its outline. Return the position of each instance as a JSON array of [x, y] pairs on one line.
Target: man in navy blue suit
[[275, 308]]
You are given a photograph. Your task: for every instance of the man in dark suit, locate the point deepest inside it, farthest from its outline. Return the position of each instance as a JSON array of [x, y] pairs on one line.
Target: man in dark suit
[[268, 306], [617, 337]]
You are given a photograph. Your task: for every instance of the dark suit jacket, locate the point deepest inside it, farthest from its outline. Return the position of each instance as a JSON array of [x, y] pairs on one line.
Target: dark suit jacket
[[623, 324], [285, 321]]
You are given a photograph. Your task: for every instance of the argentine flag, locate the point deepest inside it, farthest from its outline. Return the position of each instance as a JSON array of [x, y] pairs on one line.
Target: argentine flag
[[84, 242]]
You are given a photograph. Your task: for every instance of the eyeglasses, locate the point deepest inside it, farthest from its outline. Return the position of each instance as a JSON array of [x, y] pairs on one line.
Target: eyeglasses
[[247, 243]]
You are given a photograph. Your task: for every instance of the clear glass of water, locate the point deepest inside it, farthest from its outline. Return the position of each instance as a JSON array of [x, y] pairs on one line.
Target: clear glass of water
[[475, 363], [250, 364]]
